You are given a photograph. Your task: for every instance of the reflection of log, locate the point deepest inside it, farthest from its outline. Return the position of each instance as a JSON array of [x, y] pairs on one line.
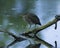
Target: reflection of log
[[16, 38], [34, 46]]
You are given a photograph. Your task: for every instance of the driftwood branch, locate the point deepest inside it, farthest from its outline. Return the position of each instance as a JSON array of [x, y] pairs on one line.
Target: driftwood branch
[[43, 27], [34, 31]]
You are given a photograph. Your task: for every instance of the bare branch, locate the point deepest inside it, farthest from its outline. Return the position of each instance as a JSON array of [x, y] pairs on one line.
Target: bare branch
[[57, 18], [35, 31]]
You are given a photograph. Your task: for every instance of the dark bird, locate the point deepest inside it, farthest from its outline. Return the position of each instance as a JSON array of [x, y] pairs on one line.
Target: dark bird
[[31, 18]]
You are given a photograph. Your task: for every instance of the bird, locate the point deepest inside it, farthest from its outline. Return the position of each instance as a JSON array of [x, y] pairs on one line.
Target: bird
[[31, 18]]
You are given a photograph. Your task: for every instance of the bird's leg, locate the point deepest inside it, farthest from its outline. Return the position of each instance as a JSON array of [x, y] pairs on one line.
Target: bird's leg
[[30, 25], [35, 26]]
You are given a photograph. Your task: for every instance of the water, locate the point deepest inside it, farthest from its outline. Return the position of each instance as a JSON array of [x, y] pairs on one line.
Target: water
[[46, 11]]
